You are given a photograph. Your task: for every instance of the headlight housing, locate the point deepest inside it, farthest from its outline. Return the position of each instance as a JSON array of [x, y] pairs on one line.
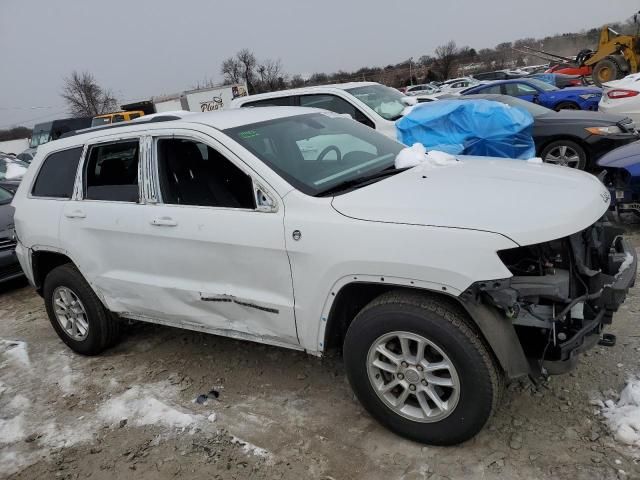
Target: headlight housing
[[587, 96], [611, 130]]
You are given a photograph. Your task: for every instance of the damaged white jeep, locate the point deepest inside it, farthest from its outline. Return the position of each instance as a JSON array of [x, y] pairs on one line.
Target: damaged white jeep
[[292, 227]]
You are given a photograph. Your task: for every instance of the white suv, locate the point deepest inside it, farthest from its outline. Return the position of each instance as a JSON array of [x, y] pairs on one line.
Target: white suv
[[292, 227], [369, 103]]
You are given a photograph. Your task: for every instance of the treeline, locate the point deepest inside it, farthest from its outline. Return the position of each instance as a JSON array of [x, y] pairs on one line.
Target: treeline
[[15, 133], [447, 61]]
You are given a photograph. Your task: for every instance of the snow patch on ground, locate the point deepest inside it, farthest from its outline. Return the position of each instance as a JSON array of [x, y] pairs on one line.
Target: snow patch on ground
[[417, 155], [140, 407], [251, 449], [623, 416], [15, 353]]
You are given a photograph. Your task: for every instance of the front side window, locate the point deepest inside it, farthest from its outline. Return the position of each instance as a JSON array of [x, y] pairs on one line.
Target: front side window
[[192, 173], [111, 172], [57, 174], [5, 196], [118, 118], [385, 101], [333, 103], [318, 152]]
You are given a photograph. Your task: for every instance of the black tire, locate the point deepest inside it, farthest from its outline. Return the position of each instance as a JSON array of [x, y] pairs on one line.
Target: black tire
[[567, 106], [480, 380], [548, 150], [605, 71], [104, 329]]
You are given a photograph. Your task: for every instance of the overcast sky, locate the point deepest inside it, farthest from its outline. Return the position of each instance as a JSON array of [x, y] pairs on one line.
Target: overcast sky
[[140, 48]]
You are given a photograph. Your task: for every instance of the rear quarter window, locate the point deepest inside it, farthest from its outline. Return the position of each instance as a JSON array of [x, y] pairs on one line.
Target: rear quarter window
[[57, 174]]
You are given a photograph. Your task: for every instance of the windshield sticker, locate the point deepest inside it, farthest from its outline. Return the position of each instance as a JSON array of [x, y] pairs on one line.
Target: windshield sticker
[[248, 134]]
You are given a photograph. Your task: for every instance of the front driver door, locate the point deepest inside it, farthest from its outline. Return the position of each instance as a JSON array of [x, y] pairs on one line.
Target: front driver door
[[221, 262], [521, 90]]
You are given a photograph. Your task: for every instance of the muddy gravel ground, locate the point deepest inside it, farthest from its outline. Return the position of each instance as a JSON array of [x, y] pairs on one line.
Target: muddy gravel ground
[[167, 403]]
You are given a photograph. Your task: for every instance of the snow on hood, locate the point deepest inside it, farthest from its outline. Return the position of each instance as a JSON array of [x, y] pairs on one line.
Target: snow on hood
[[528, 202], [14, 171], [417, 155]]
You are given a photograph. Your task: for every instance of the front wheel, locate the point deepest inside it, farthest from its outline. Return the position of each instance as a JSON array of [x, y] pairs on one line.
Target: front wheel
[[565, 153], [420, 370]]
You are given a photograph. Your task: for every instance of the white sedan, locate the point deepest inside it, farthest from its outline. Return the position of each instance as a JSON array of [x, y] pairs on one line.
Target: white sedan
[[622, 97]]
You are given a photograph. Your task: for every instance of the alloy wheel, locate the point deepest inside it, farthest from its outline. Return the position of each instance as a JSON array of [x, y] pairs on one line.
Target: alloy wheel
[[563, 155], [70, 313], [413, 377]]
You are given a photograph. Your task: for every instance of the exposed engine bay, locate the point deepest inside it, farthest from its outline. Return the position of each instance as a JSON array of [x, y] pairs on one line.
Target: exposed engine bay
[[563, 292]]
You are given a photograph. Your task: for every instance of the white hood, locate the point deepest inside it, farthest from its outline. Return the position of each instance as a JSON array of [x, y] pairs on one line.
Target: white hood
[[527, 202]]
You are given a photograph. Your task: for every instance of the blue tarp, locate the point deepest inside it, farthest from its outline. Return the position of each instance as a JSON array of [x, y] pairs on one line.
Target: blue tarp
[[469, 127]]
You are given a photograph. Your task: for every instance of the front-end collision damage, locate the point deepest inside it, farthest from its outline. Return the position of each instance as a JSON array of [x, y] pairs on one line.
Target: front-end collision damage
[[561, 294]]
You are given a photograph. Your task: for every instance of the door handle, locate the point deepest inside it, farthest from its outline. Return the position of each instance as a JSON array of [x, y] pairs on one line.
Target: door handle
[[164, 222], [75, 214]]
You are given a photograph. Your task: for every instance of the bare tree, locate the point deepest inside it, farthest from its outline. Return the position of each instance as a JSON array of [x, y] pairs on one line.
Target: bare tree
[[85, 97], [271, 75], [248, 63], [445, 58], [296, 81], [231, 70]]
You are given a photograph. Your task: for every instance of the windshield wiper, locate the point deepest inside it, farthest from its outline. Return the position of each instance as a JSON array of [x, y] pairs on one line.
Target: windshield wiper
[[362, 181]]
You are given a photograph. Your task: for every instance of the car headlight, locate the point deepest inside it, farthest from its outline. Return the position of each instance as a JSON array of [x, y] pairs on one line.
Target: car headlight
[[587, 96], [612, 130]]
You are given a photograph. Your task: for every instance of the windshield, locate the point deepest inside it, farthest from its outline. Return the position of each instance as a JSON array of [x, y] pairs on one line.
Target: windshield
[[5, 196], [12, 169], [385, 101], [547, 87], [41, 134], [317, 152]]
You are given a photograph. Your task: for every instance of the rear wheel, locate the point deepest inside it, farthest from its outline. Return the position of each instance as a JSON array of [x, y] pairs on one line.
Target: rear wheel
[[565, 153], [420, 370], [567, 106], [76, 313], [605, 71]]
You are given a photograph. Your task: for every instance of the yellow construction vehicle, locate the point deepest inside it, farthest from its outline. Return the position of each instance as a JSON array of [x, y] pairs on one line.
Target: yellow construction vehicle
[[617, 56]]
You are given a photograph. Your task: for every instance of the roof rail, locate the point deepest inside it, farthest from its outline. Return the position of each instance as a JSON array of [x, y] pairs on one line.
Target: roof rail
[[161, 118]]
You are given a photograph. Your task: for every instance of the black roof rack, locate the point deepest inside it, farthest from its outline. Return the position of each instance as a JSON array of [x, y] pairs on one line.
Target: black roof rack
[[161, 118]]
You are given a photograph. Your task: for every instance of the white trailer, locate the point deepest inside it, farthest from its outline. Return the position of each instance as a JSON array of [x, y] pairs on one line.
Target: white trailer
[[211, 99]]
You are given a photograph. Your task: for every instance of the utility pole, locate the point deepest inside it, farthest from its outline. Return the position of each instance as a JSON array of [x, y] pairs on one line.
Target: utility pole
[[410, 71]]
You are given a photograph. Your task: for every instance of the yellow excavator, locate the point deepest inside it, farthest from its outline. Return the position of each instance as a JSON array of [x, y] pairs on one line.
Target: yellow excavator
[[617, 56]]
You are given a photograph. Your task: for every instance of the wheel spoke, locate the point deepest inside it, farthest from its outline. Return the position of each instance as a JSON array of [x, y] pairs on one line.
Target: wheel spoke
[[563, 151], [442, 381], [421, 345], [404, 345], [382, 350], [424, 405], [433, 367], [387, 367], [435, 398], [390, 386]]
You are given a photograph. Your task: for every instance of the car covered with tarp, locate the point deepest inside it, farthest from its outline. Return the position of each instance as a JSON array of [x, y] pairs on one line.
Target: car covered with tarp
[[478, 127]]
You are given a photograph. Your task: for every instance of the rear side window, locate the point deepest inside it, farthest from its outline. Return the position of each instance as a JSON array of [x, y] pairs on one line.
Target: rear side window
[[57, 174], [271, 102], [112, 172]]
